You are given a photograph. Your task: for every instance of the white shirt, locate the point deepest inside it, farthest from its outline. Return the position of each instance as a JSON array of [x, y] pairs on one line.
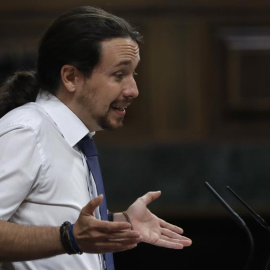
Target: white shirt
[[43, 176]]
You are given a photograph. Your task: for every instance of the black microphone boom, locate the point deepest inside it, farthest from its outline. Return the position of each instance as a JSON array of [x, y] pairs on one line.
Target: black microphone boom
[[238, 220], [256, 216]]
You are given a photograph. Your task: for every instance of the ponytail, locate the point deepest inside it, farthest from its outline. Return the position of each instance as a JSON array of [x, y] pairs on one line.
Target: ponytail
[[17, 90]]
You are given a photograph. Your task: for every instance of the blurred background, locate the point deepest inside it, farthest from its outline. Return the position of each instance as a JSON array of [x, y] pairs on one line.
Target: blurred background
[[203, 114]]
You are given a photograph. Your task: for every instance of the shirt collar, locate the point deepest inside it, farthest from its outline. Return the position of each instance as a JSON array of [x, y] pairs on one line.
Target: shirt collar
[[71, 127]]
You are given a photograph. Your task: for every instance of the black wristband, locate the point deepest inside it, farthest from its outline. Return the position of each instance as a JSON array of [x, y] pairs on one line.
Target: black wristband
[[67, 241], [64, 238], [110, 216]]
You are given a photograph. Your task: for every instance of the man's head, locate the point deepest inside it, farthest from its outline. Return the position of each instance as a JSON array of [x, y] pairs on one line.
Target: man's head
[[101, 99], [75, 39], [87, 58]]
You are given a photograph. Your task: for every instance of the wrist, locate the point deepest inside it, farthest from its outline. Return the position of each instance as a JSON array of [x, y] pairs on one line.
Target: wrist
[[122, 217], [127, 218], [119, 217], [68, 240]]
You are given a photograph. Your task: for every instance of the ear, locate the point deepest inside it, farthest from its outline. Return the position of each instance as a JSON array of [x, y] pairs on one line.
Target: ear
[[69, 76]]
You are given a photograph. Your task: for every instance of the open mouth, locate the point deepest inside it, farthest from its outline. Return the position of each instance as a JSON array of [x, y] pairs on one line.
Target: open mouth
[[119, 108]]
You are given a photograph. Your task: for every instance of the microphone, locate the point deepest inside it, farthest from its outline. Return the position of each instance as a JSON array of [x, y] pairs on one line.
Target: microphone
[[256, 216], [238, 220]]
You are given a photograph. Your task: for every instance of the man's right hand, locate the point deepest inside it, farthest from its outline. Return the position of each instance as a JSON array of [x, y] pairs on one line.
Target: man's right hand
[[99, 236]]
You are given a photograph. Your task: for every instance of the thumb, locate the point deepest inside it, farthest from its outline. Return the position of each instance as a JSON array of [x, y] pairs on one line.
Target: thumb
[[92, 205], [150, 196]]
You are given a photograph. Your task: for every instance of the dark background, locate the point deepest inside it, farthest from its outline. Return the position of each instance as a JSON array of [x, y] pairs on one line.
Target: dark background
[[218, 244]]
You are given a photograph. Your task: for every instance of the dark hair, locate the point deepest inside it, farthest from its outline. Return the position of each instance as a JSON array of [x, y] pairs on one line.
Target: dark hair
[[74, 38]]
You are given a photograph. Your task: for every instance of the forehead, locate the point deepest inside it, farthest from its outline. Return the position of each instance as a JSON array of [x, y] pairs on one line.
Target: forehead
[[119, 50]]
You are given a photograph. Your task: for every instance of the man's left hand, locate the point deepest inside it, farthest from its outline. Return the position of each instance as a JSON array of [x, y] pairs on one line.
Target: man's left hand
[[154, 230]]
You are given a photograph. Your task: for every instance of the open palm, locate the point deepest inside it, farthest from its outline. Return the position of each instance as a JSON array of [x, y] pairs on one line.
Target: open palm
[[154, 230]]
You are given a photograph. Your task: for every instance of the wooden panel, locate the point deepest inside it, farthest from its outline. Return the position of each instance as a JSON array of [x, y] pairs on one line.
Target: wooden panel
[[241, 57], [248, 64], [178, 89]]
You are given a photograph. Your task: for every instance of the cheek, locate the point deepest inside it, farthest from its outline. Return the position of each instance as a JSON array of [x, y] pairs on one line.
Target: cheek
[[111, 95], [104, 94]]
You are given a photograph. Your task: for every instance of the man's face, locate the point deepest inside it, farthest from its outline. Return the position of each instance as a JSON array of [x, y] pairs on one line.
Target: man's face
[[103, 98]]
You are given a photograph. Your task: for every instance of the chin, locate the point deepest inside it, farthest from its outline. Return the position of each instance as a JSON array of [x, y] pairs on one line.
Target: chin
[[109, 125]]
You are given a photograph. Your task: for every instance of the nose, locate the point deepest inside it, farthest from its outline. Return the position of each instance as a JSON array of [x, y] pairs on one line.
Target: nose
[[131, 89]]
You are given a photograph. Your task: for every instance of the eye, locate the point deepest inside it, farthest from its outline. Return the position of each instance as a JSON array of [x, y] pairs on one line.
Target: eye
[[119, 75]]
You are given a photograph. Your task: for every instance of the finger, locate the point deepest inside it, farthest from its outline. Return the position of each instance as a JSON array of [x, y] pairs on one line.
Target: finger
[[113, 227], [124, 235], [168, 244], [172, 234], [171, 227], [183, 240], [116, 238], [126, 241], [175, 237], [106, 244], [92, 205], [187, 243], [116, 230], [150, 196]]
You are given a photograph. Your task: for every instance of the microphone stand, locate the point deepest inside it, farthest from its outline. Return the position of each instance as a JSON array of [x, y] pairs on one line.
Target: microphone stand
[[238, 220], [256, 216]]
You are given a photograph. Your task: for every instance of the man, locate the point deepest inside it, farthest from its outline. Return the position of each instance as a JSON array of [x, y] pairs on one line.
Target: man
[[84, 83]]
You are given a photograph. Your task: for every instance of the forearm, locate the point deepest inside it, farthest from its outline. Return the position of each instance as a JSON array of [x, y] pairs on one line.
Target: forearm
[[21, 243]]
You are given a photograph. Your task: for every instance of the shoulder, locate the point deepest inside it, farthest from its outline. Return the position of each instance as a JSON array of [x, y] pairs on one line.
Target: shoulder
[[29, 116]]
